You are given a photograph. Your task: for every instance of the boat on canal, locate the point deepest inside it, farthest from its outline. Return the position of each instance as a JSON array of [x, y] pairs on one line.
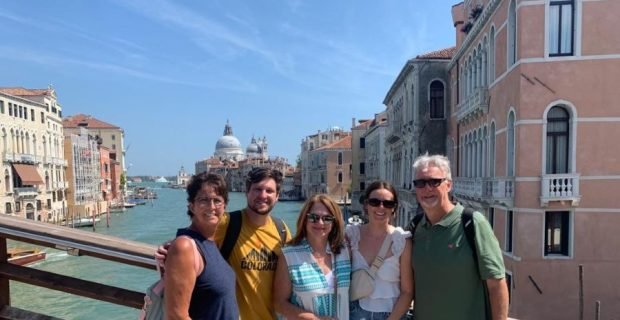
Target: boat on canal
[[22, 257]]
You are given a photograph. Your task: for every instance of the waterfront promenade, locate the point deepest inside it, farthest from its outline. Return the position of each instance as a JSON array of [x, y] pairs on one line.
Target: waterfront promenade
[[150, 224]]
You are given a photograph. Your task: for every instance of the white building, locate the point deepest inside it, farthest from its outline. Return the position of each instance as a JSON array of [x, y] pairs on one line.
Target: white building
[[32, 168]]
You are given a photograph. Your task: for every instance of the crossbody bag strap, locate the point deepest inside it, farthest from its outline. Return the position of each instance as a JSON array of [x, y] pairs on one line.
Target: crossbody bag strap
[[376, 264]]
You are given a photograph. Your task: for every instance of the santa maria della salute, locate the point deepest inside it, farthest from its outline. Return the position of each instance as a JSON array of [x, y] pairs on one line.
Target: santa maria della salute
[[228, 147], [233, 163]]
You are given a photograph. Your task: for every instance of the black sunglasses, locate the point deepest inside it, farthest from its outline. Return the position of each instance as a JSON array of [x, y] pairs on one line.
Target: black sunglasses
[[388, 204], [421, 183], [315, 217]]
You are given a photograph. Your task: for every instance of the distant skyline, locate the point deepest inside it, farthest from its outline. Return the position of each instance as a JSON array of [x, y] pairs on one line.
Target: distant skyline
[[171, 73]]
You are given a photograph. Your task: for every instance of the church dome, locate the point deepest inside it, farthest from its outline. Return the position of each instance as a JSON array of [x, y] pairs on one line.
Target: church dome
[[227, 142], [253, 147], [228, 146]]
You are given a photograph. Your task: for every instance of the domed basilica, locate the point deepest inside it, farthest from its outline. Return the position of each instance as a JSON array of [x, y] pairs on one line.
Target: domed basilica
[[228, 147]]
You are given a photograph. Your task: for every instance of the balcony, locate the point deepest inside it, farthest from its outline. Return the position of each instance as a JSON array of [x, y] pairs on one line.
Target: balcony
[[58, 161], [20, 157], [26, 192], [476, 104], [560, 187], [489, 190]]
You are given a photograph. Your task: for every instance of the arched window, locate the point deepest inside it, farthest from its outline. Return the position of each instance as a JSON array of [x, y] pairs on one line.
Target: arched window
[[7, 181], [492, 151], [557, 140], [512, 33], [492, 55], [510, 146], [436, 104]]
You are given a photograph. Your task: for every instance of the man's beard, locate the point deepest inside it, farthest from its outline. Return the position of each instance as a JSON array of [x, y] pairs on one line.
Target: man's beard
[[262, 212]]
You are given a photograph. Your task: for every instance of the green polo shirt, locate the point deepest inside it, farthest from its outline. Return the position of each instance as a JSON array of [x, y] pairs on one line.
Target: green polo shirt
[[447, 284]]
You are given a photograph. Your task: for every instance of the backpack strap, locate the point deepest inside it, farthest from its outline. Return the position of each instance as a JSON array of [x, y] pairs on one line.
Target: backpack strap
[[234, 229], [413, 224], [467, 219], [232, 233], [281, 229]]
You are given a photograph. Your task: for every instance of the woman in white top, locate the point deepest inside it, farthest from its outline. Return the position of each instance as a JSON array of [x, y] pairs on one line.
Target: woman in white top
[[393, 291], [313, 273]]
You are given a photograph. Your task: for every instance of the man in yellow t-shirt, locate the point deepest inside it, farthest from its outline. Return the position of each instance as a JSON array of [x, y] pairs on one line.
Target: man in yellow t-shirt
[[255, 254]]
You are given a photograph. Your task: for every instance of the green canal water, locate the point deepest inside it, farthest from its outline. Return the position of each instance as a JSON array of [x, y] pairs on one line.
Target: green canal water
[[151, 223]]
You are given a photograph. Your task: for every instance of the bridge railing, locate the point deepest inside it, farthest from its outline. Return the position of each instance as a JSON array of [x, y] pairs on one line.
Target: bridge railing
[[77, 242]]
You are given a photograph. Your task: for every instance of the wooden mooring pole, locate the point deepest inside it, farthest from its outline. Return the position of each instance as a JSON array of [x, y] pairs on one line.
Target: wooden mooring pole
[[5, 293], [580, 292]]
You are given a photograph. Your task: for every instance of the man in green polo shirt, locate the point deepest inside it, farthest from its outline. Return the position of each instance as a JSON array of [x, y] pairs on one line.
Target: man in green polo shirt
[[448, 284]]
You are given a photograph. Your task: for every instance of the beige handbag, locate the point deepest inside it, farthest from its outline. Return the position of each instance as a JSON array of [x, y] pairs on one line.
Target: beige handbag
[[363, 280]]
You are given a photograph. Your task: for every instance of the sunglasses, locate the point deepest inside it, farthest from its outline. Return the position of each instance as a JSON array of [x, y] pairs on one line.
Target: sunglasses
[[314, 218], [421, 183], [388, 204]]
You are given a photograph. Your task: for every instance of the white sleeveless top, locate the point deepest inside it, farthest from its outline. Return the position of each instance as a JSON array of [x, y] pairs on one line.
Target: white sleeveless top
[[387, 281]]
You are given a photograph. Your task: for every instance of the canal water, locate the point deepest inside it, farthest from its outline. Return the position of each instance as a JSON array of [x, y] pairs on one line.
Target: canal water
[[150, 223]]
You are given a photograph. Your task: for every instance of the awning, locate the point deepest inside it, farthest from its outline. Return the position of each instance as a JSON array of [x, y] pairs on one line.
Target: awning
[[28, 173]]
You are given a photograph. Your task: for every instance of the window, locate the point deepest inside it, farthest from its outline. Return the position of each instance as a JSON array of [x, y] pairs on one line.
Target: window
[[491, 217], [10, 109], [509, 224], [39, 205], [362, 186], [1, 106], [556, 233], [436, 104], [510, 146], [26, 113], [113, 137], [492, 55], [557, 140], [509, 285], [42, 117], [113, 147], [7, 207], [512, 33], [362, 143], [339, 177], [49, 203], [339, 158], [362, 168], [21, 114], [561, 28], [32, 114]]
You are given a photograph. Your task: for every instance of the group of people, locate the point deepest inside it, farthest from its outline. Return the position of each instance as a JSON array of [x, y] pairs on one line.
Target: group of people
[[268, 275]]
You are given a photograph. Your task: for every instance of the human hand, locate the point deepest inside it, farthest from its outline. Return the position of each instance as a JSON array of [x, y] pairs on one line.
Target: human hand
[[161, 253]]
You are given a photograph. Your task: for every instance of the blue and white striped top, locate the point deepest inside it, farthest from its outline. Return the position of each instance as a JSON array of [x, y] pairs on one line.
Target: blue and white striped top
[[310, 288]]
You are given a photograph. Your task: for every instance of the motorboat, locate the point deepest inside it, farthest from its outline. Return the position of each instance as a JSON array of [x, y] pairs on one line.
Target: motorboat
[[22, 257]]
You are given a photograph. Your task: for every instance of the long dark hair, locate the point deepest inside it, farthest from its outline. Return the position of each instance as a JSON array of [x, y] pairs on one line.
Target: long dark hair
[[380, 184]]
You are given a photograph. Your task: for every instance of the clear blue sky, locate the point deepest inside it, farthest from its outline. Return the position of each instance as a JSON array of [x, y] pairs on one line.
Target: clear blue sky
[[172, 72]]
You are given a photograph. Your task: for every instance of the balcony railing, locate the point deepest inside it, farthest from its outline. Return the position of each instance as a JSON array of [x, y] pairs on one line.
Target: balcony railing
[[59, 161], [26, 192], [20, 157], [476, 103], [560, 187], [489, 190]]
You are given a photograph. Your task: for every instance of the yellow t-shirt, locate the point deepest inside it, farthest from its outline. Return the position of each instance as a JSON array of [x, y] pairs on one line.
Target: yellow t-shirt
[[254, 258]]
